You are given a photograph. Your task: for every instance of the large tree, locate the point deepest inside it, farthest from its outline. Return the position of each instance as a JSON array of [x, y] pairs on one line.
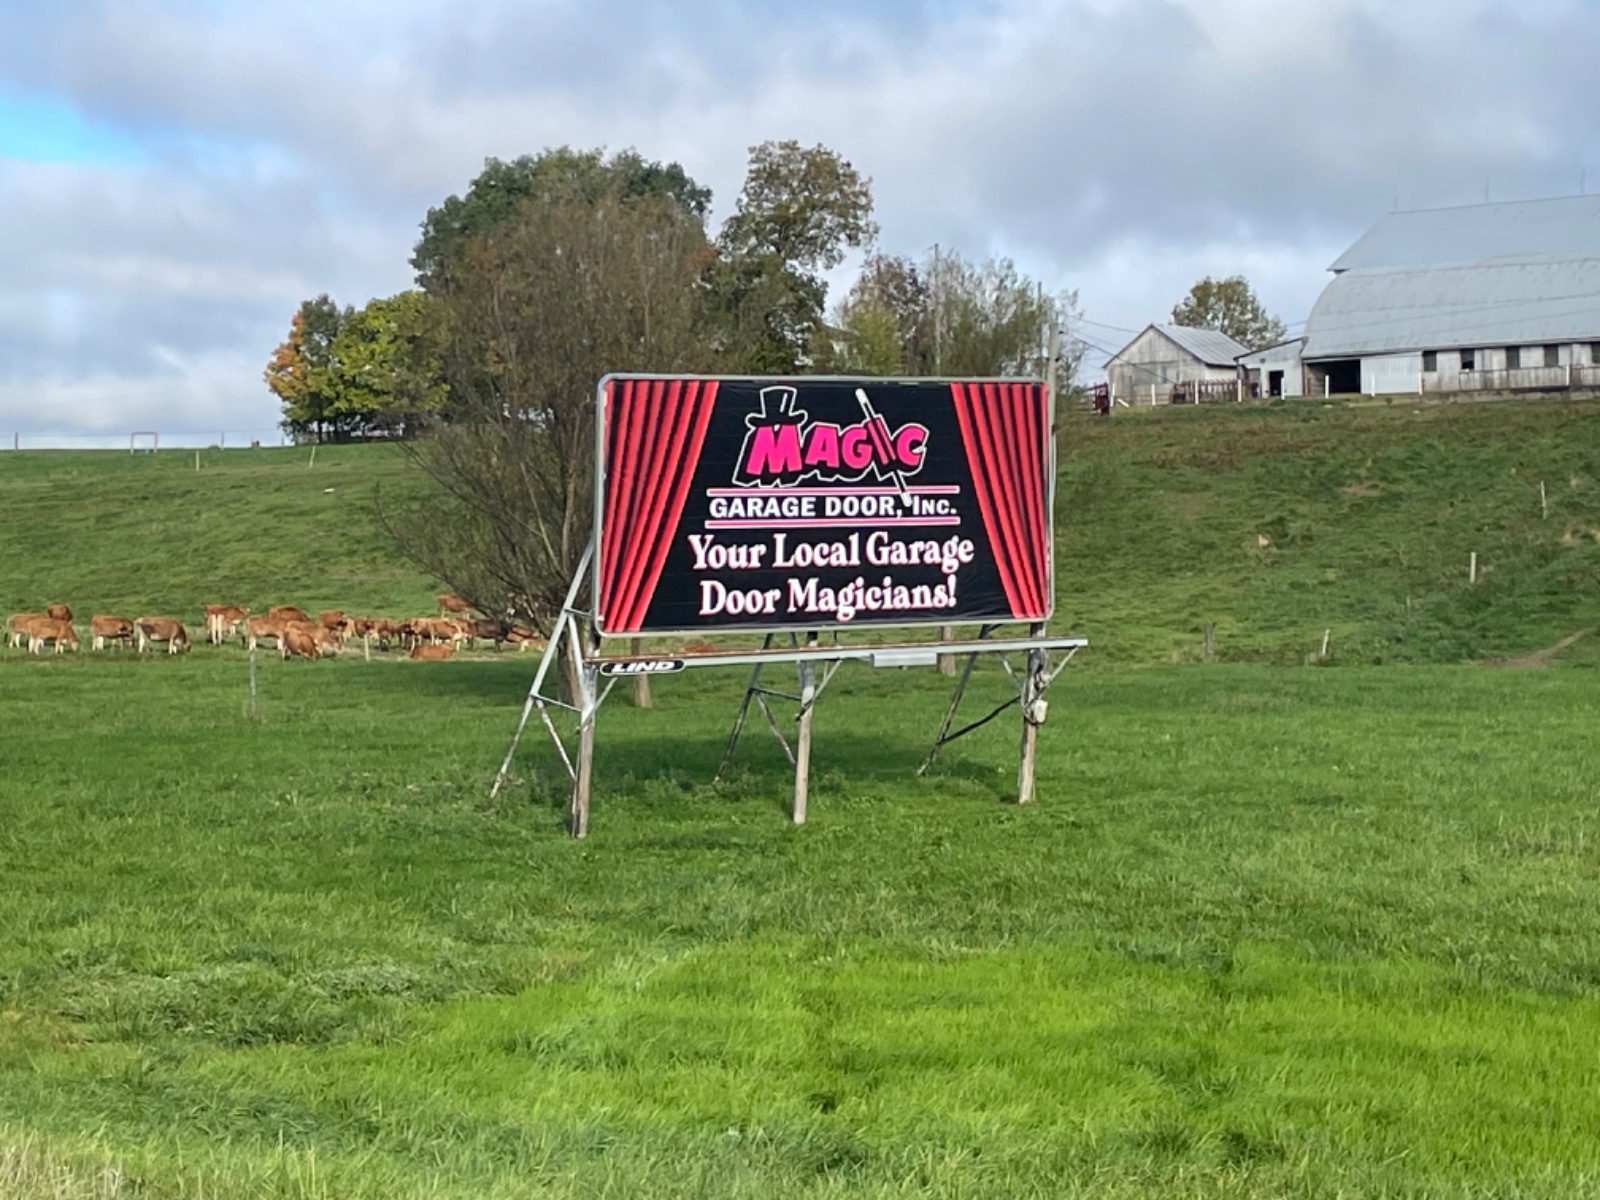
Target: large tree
[[1229, 306], [502, 189], [562, 290], [800, 211], [303, 370]]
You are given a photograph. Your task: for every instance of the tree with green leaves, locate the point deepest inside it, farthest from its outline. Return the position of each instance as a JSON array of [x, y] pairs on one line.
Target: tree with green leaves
[[389, 363], [502, 189], [800, 211], [1229, 306], [303, 370]]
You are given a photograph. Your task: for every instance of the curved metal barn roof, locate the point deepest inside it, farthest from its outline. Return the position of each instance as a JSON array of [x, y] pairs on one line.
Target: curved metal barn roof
[[1430, 236], [1509, 301]]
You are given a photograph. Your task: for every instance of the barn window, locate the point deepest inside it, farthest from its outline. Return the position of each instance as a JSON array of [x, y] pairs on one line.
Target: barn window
[[1594, 352], [1469, 360], [1430, 360], [1552, 356], [1513, 358]]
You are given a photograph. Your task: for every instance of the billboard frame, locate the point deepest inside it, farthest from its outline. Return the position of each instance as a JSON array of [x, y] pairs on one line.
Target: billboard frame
[[1050, 464], [577, 637]]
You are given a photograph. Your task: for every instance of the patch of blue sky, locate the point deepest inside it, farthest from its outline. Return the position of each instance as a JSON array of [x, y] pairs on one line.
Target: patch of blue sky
[[41, 128]]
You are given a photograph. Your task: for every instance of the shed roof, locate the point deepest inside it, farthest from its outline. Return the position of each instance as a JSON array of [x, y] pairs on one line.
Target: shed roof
[[1567, 225], [1210, 346], [1288, 350], [1523, 300]]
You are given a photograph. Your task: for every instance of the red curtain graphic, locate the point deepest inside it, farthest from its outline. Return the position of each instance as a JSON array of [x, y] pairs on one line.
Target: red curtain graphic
[[1003, 425], [654, 431]]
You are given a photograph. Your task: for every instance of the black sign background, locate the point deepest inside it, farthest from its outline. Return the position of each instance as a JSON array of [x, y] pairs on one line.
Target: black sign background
[[645, 537]]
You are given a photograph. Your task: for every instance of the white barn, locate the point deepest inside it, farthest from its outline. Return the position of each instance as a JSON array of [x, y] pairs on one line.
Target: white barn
[[1486, 297], [1168, 362]]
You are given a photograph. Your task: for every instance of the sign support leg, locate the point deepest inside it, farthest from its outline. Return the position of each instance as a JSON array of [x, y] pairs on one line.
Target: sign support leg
[[802, 754], [751, 691], [1034, 681], [588, 698]]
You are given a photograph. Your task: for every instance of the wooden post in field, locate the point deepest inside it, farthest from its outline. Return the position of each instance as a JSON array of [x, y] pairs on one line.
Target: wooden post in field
[[1033, 681], [1544, 503], [1208, 642], [641, 683], [197, 462], [588, 679], [1326, 634], [253, 714], [1472, 568], [802, 749], [313, 461]]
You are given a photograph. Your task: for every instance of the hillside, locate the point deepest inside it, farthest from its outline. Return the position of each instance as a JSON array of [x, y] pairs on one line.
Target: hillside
[[111, 531], [1276, 524], [1272, 524]]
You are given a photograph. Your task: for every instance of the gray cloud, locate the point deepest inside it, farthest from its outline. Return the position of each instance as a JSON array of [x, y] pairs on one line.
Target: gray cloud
[[1123, 148]]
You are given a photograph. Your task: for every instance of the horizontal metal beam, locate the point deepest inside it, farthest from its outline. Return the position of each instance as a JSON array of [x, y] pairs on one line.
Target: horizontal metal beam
[[796, 654]]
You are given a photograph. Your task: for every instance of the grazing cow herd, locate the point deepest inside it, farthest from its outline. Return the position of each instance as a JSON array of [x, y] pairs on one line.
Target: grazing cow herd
[[292, 631]]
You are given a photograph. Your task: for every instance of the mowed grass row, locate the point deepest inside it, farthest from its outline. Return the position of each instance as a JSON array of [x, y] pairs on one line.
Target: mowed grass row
[[1269, 932]]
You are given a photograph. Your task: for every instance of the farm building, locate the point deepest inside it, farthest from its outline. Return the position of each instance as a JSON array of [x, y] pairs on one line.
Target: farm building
[[1487, 297], [1277, 370], [1174, 362]]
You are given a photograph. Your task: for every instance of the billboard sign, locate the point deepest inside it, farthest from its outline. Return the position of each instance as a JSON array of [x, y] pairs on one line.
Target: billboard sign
[[817, 503]]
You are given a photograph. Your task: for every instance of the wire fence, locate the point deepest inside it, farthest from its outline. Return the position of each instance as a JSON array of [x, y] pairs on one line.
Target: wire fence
[[144, 440]]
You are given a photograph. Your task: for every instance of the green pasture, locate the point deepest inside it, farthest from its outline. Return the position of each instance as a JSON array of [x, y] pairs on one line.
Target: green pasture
[[1273, 930]]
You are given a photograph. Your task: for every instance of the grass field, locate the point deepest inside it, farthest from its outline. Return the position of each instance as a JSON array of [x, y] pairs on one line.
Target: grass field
[[1272, 930]]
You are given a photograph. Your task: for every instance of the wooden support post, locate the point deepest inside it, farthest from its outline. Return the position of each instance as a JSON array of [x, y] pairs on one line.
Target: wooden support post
[[1326, 634], [254, 714], [1208, 643], [947, 662], [1033, 683], [1472, 568], [802, 752], [313, 461], [641, 683], [1544, 503], [588, 680]]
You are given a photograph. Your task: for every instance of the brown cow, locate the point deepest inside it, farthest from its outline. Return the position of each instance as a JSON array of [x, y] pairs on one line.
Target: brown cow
[[494, 630], [222, 620], [58, 612], [162, 629], [51, 629], [287, 612], [300, 641], [328, 641], [524, 638], [330, 618], [17, 628], [425, 653], [444, 629], [261, 628], [449, 602], [115, 629]]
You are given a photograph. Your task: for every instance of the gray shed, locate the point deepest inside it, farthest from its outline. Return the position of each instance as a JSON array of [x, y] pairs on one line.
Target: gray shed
[[1162, 359]]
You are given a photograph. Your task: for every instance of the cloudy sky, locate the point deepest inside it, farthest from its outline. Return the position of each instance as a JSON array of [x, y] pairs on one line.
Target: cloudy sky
[[176, 175]]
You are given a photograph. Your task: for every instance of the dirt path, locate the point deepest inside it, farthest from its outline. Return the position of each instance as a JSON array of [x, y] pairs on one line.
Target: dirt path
[[1545, 657]]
